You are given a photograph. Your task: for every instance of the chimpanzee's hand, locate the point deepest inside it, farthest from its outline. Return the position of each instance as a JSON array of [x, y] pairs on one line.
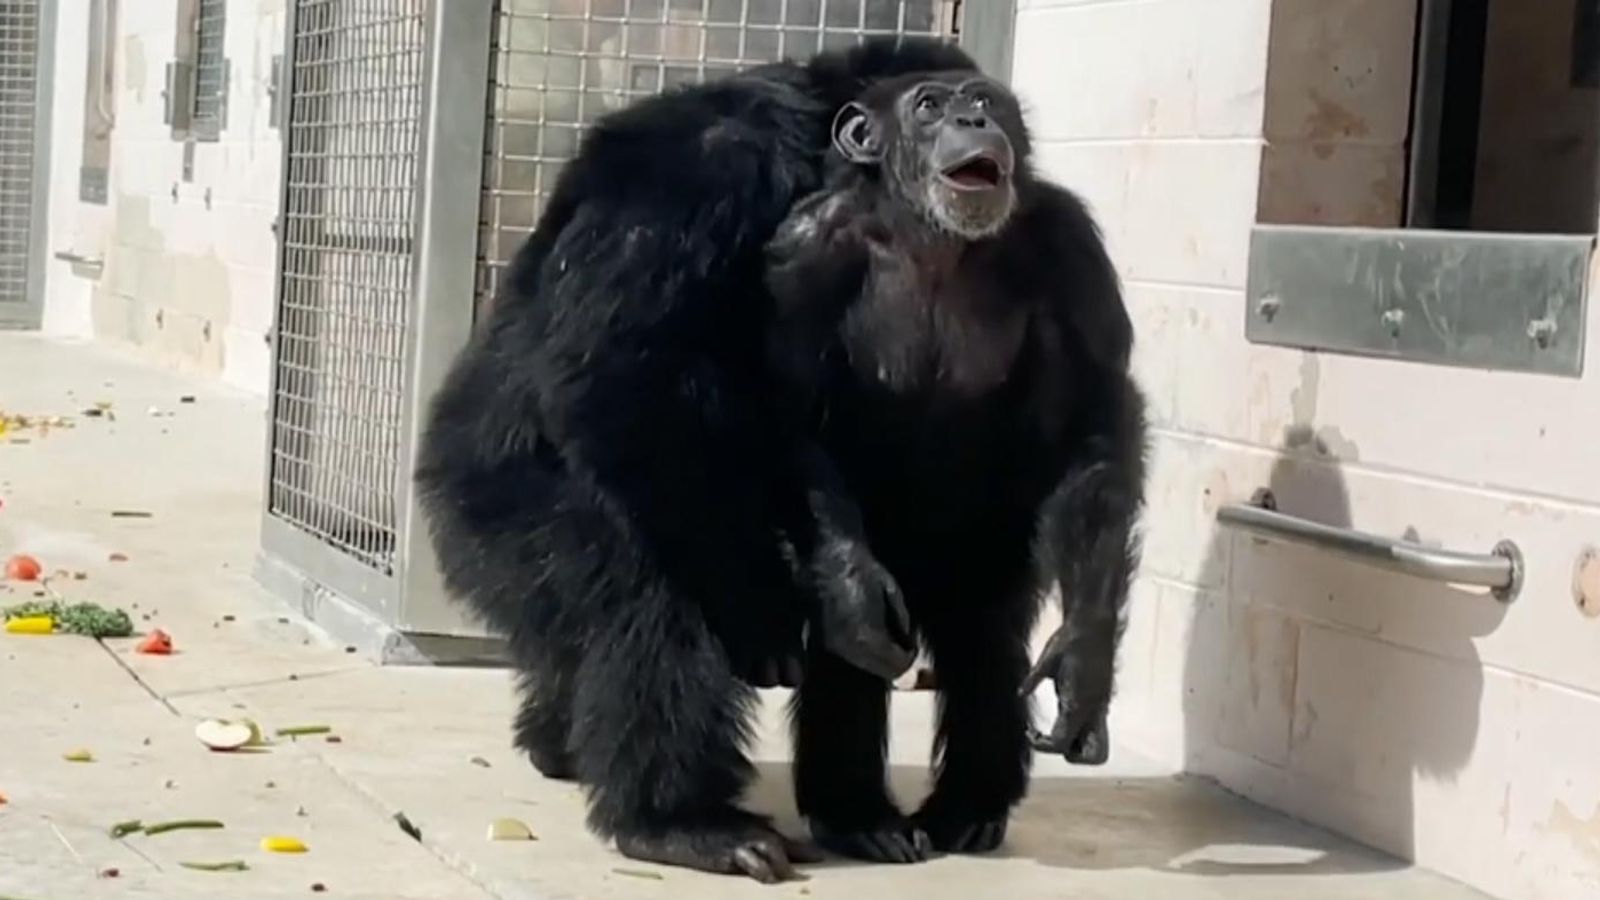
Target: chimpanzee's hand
[[1081, 667], [861, 613]]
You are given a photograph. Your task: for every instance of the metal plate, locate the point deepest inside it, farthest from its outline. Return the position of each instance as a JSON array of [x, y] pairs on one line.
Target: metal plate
[[1494, 301]]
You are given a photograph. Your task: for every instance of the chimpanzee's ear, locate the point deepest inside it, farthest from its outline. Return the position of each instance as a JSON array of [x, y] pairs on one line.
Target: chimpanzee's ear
[[856, 135]]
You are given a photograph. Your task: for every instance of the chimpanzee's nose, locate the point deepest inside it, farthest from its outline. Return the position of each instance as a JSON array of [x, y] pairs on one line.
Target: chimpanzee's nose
[[972, 119]]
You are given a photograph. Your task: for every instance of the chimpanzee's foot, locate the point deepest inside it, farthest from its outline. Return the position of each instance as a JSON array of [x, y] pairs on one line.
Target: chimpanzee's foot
[[745, 845]]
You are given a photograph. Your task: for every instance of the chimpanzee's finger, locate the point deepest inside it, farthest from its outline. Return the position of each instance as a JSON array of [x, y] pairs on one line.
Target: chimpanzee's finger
[[872, 653], [1091, 746]]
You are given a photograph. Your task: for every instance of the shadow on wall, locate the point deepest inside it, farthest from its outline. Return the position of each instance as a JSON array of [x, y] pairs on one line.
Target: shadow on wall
[[1301, 685]]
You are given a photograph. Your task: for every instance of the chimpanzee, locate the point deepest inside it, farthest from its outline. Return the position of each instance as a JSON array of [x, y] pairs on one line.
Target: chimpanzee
[[603, 477], [953, 346]]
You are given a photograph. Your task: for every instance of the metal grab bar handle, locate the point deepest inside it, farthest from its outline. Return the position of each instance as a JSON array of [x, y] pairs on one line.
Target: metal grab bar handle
[[1499, 570]]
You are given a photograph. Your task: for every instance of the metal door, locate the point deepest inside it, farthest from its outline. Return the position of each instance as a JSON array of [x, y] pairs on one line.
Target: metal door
[[353, 137], [419, 148], [26, 34]]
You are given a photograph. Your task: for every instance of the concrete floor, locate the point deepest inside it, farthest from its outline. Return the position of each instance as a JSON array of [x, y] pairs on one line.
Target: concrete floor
[[431, 743]]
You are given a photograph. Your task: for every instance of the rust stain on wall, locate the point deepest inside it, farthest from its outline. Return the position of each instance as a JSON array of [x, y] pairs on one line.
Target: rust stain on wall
[[1331, 121], [1584, 833]]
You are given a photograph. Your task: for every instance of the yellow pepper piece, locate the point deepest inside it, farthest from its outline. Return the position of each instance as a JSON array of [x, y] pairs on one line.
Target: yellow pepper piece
[[31, 625], [78, 756], [282, 845]]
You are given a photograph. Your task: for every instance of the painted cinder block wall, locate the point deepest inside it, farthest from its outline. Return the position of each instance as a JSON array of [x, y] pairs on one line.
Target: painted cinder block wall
[[186, 265], [1429, 722]]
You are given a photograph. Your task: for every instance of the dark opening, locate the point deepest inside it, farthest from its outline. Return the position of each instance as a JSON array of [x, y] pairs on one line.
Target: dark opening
[[1506, 116]]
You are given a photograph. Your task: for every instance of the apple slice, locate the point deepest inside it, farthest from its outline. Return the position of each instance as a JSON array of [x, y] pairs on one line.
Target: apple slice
[[224, 736]]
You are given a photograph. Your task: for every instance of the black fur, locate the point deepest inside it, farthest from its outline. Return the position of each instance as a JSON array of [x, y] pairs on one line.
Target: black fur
[[972, 422], [598, 469]]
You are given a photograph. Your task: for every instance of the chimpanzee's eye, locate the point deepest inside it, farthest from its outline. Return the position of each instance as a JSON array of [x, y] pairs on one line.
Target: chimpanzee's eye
[[927, 103], [981, 100]]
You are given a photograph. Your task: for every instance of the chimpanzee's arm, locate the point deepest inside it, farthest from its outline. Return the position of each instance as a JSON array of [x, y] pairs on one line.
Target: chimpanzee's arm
[[817, 264], [1088, 525]]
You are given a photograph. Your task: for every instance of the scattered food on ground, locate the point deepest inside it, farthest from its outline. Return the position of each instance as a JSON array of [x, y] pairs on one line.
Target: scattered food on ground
[[480, 762], [43, 424], [640, 873], [31, 625], [23, 567], [181, 825], [87, 619], [299, 731], [131, 514], [78, 756], [281, 844], [333, 739], [112, 872], [119, 557], [221, 735], [123, 829], [156, 643], [406, 825], [186, 398], [318, 887], [3, 800], [510, 830], [232, 865]]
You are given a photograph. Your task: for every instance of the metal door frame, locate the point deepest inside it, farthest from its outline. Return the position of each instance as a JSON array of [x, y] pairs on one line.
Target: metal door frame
[[29, 315], [349, 598]]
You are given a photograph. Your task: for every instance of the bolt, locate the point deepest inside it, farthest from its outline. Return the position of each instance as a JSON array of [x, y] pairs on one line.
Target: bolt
[[1394, 318], [1543, 332], [1586, 582], [1268, 307]]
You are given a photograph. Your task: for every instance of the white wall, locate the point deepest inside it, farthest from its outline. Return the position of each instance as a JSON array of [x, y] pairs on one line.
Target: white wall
[[1429, 722], [187, 275]]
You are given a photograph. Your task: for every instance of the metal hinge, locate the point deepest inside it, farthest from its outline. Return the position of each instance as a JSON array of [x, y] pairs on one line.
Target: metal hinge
[[177, 97]]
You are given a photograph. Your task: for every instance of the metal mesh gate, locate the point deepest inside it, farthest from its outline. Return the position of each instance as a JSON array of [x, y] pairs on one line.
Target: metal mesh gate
[[558, 64], [19, 46], [346, 279]]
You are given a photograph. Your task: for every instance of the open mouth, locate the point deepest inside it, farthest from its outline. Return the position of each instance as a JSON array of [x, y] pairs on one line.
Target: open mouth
[[979, 173]]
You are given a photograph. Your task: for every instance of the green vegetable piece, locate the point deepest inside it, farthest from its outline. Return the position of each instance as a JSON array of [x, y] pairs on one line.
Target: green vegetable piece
[[232, 865], [302, 730], [123, 829], [87, 619], [179, 825]]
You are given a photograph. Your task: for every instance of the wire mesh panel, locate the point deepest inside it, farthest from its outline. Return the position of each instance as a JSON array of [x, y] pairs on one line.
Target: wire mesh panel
[[210, 68], [351, 169], [558, 64], [19, 42]]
